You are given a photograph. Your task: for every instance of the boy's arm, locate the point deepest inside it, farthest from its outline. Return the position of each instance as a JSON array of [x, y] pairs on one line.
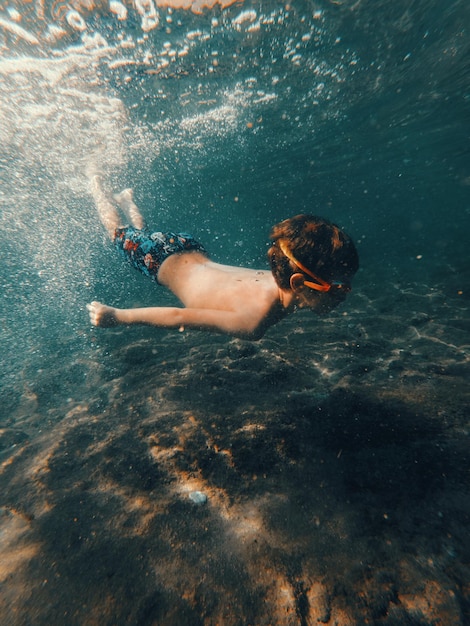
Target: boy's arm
[[227, 322]]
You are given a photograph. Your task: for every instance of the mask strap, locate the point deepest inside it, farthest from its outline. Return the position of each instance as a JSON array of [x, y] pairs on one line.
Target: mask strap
[[319, 284]]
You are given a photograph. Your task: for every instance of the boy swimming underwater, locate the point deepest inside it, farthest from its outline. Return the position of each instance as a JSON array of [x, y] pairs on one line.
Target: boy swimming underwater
[[312, 265]]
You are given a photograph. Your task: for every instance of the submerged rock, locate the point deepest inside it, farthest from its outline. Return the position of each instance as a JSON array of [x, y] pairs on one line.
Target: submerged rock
[[198, 497]]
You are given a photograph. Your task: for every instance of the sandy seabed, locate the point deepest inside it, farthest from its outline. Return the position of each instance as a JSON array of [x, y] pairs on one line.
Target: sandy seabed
[[333, 455]]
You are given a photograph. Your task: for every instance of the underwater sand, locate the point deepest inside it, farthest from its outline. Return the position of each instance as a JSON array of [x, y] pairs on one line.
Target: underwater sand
[[333, 455]]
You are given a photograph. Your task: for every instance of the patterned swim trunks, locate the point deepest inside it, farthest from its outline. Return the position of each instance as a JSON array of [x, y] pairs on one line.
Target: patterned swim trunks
[[146, 251]]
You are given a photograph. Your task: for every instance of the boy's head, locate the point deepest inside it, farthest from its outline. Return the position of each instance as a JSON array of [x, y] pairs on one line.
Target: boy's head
[[317, 250]]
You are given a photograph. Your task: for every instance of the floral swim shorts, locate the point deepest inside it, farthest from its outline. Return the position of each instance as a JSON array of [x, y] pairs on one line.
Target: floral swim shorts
[[146, 251]]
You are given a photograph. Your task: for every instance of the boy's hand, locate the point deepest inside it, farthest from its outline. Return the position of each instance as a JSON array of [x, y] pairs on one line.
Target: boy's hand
[[102, 315]]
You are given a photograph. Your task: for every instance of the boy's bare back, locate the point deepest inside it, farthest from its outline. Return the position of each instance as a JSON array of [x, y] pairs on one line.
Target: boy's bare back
[[239, 301]]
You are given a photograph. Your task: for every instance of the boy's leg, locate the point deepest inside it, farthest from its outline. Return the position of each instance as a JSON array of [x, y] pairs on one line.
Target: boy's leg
[[106, 211], [125, 199]]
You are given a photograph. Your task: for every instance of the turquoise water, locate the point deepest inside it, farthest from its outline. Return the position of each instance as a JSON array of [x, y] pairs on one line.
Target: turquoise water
[[225, 122]]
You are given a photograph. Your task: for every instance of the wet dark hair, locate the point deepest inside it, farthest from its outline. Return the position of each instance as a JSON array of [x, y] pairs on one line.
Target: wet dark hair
[[318, 244]]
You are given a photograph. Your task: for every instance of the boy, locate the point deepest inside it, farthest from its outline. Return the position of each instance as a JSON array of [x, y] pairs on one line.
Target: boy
[[312, 264]]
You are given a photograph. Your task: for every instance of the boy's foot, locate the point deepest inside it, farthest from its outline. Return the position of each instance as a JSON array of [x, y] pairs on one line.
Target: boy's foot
[[92, 168], [125, 199]]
